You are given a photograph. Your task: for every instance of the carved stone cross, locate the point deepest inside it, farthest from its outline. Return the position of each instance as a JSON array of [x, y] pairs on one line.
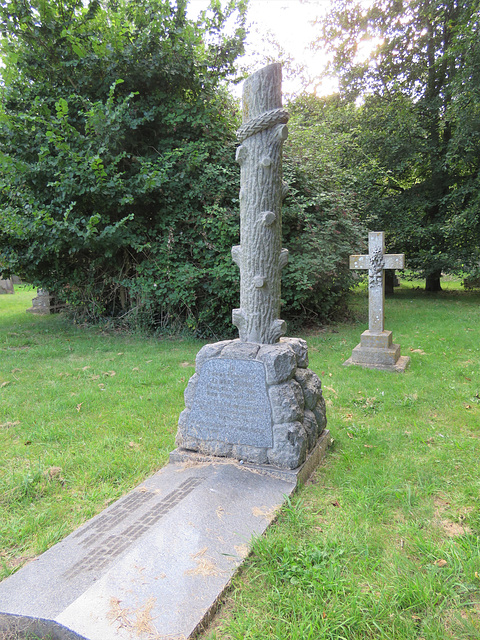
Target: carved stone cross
[[376, 262], [376, 349]]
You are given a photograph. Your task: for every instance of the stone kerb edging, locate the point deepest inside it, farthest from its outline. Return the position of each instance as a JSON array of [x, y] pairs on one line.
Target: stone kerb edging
[[295, 396]]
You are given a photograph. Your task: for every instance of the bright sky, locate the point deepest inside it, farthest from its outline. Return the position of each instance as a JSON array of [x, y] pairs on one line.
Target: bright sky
[[290, 23]]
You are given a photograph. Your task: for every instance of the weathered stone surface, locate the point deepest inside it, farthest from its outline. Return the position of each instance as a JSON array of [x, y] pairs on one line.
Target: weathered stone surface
[[371, 340], [189, 392], [320, 413], [311, 386], [365, 355], [280, 362], [311, 428], [287, 402], [240, 350], [183, 417], [231, 403], [208, 352], [190, 444], [300, 348], [255, 455], [216, 448], [290, 448]]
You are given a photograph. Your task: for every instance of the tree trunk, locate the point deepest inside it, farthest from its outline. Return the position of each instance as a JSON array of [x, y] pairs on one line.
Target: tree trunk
[[389, 281], [432, 281], [260, 255]]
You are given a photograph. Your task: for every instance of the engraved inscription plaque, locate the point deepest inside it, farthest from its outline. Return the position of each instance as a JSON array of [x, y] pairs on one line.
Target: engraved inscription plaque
[[231, 404]]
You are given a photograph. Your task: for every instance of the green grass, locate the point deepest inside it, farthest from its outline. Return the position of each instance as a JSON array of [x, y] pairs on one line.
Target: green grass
[[382, 543], [84, 416]]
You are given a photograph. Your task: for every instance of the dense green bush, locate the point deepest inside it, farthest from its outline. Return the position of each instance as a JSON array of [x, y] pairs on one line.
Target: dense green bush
[[118, 185]]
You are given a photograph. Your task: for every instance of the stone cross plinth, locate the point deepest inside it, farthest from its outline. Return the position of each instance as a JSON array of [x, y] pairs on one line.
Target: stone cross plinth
[[376, 349], [254, 398]]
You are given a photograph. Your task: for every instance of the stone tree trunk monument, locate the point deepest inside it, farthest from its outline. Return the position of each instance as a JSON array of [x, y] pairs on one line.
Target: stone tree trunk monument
[[253, 398], [260, 256]]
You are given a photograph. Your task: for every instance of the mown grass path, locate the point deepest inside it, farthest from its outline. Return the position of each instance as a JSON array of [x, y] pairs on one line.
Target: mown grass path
[[383, 543]]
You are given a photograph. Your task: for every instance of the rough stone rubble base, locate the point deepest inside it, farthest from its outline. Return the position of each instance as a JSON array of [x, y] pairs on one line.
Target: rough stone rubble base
[[377, 351], [293, 393]]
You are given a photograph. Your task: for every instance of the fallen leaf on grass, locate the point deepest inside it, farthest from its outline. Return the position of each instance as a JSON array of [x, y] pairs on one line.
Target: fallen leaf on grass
[[186, 364], [109, 373], [4, 384], [79, 406], [441, 563], [350, 435], [134, 445], [468, 406], [336, 503], [421, 351], [329, 388], [368, 446], [53, 471]]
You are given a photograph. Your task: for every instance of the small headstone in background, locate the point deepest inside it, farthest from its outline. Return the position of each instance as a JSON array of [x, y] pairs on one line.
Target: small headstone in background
[[376, 349], [45, 303], [6, 286]]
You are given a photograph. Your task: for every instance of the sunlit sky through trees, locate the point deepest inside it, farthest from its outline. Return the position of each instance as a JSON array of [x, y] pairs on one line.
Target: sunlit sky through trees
[[283, 30]]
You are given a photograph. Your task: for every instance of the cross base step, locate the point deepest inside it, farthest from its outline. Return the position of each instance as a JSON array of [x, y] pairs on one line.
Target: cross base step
[[377, 351]]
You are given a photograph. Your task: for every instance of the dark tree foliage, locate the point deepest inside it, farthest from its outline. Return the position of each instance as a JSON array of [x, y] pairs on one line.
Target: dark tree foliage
[[416, 146], [116, 149], [118, 184]]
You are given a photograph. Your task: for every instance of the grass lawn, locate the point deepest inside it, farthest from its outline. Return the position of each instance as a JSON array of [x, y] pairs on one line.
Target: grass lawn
[[382, 543]]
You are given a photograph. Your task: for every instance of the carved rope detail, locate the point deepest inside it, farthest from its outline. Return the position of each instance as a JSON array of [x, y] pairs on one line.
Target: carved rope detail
[[260, 123], [377, 264]]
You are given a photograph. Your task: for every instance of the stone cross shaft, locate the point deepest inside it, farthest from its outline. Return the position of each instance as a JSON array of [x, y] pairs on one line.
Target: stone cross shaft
[[376, 262], [260, 256]]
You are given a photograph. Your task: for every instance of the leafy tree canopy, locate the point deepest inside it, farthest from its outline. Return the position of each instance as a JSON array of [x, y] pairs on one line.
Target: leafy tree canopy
[[118, 184], [416, 146]]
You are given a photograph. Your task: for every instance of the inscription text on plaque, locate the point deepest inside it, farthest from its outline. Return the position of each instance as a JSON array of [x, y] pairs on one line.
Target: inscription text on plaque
[[231, 404]]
